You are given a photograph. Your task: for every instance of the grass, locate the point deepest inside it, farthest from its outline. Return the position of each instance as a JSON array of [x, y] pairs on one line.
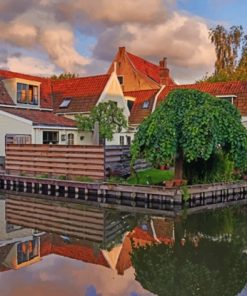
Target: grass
[[151, 176]]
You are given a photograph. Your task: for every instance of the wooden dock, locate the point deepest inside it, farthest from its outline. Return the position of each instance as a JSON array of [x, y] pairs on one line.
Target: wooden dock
[[166, 200]]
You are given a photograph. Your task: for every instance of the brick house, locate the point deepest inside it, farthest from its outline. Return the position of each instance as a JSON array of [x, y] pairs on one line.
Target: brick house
[[135, 73], [233, 91]]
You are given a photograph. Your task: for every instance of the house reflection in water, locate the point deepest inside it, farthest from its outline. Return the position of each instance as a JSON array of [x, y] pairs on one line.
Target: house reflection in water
[[87, 234], [19, 246]]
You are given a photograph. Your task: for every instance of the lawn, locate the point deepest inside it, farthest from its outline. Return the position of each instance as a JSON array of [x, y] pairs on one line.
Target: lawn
[[151, 176]]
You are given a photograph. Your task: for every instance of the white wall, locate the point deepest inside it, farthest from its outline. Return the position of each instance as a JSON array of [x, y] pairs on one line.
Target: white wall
[[80, 138], [113, 92], [12, 125]]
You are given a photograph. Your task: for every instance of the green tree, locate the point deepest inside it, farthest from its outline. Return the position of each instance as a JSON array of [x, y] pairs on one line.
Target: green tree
[[231, 54], [108, 116], [66, 75], [216, 266], [191, 125]]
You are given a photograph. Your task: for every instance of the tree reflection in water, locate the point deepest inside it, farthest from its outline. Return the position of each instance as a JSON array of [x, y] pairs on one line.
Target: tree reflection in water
[[207, 258]]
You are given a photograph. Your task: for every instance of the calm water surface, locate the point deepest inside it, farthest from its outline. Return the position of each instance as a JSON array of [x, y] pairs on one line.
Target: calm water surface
[[52, 248]]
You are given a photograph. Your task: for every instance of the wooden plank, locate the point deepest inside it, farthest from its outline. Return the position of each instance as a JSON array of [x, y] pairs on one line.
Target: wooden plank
[[51, 170], [93, 217], [65, 220], [63, 160], [62, 154], [69, 166]]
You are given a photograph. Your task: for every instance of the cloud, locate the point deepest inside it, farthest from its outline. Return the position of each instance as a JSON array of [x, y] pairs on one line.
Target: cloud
[[61, 276], [181, 38], [112, 12], [149, 28], [32, 65], [39, 29]]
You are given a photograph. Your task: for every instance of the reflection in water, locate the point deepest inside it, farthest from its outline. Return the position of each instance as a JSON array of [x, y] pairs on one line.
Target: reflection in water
[[203, 254]]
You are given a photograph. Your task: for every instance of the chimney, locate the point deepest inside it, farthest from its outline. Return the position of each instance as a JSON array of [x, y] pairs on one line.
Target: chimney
[[121, 50], [164, 72]]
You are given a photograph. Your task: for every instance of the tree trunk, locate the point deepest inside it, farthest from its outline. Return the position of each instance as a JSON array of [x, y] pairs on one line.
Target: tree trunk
[[179, 161]]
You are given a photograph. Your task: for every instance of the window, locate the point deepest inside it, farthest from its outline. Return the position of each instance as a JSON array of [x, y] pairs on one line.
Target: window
[[121, 79], [130, 104], [27, 94], [121, 140], [128, 139], [65, 103], [70, 139], [145, 105], [50, 138], [17, 139], [229, 98], [26, 251]]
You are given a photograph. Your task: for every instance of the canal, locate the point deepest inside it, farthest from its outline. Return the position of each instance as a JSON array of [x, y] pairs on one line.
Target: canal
[[56, 248]]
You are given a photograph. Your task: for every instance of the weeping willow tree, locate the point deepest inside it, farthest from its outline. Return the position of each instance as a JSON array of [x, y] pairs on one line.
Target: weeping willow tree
[[190, 126]]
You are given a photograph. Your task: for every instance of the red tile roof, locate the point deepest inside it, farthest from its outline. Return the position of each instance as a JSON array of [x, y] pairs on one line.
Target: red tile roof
[[137, 113], [54, 244], [149, 69], [214, 88], [80, 87], [83, 92], [45, 87], [80, 104], [39, 117]]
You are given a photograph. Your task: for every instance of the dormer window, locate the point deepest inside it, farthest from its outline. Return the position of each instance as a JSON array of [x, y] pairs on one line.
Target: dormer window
[[65, 103], [145, 105], [27, 94], [229, 98]]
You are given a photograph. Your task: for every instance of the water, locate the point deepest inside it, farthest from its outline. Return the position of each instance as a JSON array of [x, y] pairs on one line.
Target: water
[[52, 248]]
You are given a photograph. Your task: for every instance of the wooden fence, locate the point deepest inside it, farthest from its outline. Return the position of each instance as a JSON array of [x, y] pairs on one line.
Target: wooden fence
[[55, 160], [95, 162]]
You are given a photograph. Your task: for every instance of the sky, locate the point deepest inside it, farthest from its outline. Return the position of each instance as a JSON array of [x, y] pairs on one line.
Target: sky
[[60, 276], [45, 37]]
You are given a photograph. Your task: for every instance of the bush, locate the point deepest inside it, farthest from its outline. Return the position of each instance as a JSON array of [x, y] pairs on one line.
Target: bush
[[218, 168]]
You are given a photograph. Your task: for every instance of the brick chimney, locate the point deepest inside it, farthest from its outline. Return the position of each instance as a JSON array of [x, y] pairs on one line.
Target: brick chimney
[[121, 49], [164, 72]]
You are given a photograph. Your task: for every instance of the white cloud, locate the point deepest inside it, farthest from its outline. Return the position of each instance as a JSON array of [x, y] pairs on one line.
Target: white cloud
[[30, 65], [149, 28]]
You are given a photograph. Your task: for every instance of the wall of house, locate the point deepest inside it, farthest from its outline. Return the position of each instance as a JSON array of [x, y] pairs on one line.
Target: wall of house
[[241, 103], [11, 125], [80, 138], [113, 92]]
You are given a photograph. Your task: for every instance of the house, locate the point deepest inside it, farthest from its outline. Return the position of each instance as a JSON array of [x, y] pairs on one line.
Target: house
[[79, 96], [135, 73], [42, 111], [26, 111], [233, 91]]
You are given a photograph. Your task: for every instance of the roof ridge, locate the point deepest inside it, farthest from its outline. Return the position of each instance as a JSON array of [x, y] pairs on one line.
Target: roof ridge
[[209, 82], [80, 78], [24, 74]]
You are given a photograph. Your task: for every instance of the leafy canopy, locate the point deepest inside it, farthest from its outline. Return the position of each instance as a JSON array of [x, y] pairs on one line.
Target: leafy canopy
[[109, 117], [62, 76], [231, 54], [195, 124]]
